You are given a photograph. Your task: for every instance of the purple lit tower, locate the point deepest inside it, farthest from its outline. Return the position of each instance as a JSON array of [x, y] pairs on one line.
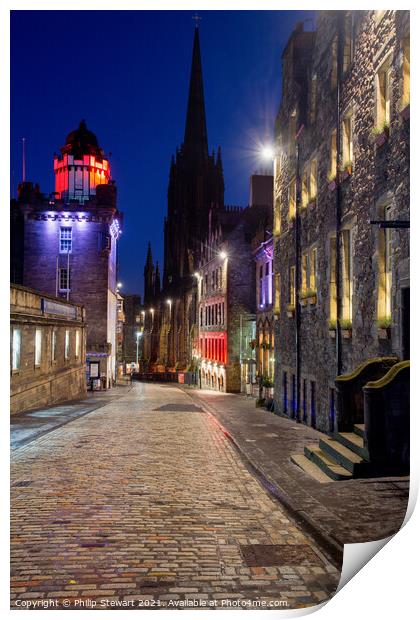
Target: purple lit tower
[[65, 244]]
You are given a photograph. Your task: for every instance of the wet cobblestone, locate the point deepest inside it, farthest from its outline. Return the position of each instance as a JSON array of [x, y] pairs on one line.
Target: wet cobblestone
[[130, 504]]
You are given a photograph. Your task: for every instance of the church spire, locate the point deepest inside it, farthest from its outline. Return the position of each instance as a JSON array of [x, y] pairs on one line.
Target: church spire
[[195, 138]]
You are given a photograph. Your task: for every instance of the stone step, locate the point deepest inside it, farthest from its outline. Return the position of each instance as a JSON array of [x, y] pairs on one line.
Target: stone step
[[326, 463], [310, 468], [353, 442], [336, 450], [359, 429]]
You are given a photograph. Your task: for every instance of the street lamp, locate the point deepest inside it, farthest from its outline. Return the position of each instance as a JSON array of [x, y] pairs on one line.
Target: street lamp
[[222, 255], [119, 285], [267, 153], [138, 336]]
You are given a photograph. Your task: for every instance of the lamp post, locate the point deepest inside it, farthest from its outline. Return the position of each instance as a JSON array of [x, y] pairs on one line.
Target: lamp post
[[138, 336]]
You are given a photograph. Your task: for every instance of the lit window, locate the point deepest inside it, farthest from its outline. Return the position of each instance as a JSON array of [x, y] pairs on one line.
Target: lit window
[[304, 272], [383, 97], [333, 155], [305, 188], [292, 200], [277, 217], [292, 286], [67, 345], [65, 239], [77, 344], [347, 275], [347, 145], [313, 269], [385, 268], [406, 72], [313, 184], [64, 279], [277, 293], [333, 288], [16, 345], [54, 345], [38, 347]]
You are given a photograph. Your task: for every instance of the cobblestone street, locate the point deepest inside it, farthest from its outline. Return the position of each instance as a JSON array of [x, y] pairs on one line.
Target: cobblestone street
[[145, 502]]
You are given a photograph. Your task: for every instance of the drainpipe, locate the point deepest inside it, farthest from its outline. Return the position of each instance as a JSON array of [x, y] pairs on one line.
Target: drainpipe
[[340, 42], [297, 278]]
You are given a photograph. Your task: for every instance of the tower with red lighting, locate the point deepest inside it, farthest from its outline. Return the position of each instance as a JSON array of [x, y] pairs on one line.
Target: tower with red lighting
[[65, 243]]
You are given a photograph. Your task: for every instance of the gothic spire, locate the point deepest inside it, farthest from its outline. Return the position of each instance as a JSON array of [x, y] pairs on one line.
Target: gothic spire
[[149, 259], [195, 138]]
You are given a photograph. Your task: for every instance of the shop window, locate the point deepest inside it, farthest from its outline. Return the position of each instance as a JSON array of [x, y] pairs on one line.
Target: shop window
[[385, 268], [333, 287], [347, 274], [77, 344], [333, 155], [67, 345], [313, 183], [292, 286], [313, 269]]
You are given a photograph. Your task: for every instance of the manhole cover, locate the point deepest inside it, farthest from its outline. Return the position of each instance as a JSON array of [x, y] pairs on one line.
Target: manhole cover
[[177, 407], [23, 483], [279, 555]]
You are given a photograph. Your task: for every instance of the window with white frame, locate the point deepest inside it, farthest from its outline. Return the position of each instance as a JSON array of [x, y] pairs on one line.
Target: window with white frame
[[65, 239], [64, 279], [16, 348], [38, 347], [67, 345]]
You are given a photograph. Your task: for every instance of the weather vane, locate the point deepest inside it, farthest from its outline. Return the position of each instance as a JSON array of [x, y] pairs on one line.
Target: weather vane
[[196, 18]]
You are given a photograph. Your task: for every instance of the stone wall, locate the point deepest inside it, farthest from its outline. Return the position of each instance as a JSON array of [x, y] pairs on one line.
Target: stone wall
[[378, 176], [52, 380]]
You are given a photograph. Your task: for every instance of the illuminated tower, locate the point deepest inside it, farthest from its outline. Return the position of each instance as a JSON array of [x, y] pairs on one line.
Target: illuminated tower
[[81, 167], [195, 184]]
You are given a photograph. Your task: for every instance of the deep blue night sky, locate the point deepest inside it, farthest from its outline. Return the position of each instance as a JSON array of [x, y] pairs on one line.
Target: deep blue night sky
[[127, 74]]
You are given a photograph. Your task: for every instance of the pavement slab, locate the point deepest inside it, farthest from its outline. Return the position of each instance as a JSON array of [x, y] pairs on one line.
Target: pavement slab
[[336, 513], [131, 506]]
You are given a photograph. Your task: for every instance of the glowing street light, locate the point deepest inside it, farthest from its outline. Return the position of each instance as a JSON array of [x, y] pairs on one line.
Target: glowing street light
[[197, 275], [138, 336], [119, 285], [267, 153], [222, 255]]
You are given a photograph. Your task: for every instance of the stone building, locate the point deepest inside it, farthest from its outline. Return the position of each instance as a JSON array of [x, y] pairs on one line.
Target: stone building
[[195, 184], [65, 244], [226, 283], [47, 350], [262, 247], [342, 163]]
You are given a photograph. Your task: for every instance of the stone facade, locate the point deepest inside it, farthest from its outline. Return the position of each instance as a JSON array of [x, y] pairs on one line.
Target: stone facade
[[226, 279], [47, 350], [195, 184], [68, 247], [342, 138]]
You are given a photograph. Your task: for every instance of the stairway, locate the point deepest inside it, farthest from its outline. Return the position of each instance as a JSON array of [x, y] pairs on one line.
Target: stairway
[[340, 457]]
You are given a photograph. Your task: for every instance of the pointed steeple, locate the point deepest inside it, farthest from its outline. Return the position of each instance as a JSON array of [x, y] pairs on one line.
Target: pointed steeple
[[195, 138], [149, 259]]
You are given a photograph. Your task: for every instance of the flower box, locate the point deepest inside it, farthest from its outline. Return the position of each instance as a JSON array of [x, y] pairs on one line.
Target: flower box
[[311, 300], [384, 333], [382, 137], [345, 173], [332, 333], [303, 301], [347, 333]]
